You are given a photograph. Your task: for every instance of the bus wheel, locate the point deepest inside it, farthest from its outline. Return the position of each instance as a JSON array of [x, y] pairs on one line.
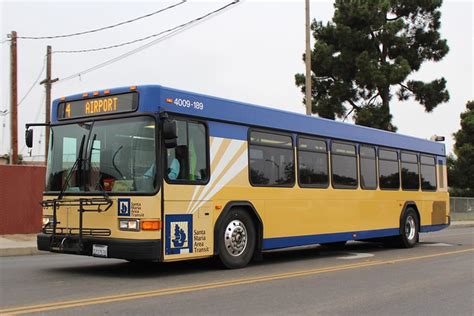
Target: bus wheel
[[236, 239], [409, 228]]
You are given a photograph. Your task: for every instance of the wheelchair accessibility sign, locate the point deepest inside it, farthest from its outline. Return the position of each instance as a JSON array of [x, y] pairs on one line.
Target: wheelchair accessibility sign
[[179, 230], [123, 207]]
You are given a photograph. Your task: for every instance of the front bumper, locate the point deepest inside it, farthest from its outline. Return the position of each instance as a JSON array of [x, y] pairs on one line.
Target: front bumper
[[128, 249]]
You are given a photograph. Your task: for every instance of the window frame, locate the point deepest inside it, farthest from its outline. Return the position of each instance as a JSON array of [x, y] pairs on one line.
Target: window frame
[[314, 186], [335, 186], [398, 163], [165, 156], [376, 167], [250, 143]]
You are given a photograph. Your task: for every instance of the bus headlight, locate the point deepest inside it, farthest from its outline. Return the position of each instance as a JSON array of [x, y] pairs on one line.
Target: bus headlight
[[129, 224], [47, 219]]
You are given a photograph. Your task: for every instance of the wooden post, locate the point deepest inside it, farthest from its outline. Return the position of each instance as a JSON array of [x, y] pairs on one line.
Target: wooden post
[[13, 99], [47, 84]]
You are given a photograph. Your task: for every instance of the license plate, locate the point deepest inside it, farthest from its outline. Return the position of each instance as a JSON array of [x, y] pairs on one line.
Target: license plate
[[99, 251]]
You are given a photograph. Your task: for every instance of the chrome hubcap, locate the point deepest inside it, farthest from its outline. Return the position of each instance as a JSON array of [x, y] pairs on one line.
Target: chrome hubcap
[[235, 238], [410, 228]]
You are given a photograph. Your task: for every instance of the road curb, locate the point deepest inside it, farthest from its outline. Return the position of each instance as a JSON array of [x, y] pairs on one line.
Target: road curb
[[461, 225], [23, 251]]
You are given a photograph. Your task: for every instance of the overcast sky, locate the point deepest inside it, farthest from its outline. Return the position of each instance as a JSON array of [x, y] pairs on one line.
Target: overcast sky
[[249, 53]]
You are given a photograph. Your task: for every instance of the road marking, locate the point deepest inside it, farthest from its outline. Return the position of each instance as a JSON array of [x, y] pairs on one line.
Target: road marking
[[437, 244], [447, 235], [355, 255], [214, 285]]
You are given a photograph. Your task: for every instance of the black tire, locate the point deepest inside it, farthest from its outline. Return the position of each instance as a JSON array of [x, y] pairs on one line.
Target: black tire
[[236, 239], [409, 228], [338, 245]]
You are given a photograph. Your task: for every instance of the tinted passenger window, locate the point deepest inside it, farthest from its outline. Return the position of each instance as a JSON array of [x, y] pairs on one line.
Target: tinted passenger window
[[428, 173], [344, 166], [388, 168], [312, 163], [271, 159], [187, 162], [368, 168], [410, 174]]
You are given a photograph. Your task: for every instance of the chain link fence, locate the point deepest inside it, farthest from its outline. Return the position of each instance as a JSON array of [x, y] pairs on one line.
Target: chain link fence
[[462, 205]]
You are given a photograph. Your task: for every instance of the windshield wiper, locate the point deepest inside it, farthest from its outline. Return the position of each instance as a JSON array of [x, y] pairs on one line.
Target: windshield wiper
[[113, 161], [89, 169], [77, 164]]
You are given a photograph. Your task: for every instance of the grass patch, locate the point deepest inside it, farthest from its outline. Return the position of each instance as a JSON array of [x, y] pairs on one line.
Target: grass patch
[[462, 216]]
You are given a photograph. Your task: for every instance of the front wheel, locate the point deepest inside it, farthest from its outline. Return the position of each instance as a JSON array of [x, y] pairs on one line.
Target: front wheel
[[236, 239]]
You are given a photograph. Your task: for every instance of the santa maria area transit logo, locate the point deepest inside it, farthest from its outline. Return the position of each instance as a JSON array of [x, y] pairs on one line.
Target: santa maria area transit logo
[[179, 234], [123, 207]]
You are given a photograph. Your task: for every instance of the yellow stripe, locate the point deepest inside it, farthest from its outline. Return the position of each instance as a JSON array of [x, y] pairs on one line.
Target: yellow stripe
[[192, 288]]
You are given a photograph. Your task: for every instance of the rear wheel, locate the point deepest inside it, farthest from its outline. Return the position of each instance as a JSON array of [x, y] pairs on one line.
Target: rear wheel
[[409, 230], [236, 239]]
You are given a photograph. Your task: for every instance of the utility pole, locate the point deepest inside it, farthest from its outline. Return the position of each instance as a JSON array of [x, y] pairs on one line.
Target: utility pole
[[308, 63], [47, 84], [13, 100]]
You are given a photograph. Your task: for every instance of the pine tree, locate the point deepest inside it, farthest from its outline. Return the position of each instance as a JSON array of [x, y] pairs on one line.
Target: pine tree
[[365, 55], [462, 168]]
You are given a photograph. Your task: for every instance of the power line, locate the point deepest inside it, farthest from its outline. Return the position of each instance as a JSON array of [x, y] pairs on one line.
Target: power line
[[34, 83], [155, 41], [5, 112], [146, 37], [103, 28]]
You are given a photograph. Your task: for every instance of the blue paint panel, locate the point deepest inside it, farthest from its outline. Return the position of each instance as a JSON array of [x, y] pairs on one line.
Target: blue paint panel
[[441, 160], [433, 228], [253, 115], [152, 99], [284, 242], [223, 130]]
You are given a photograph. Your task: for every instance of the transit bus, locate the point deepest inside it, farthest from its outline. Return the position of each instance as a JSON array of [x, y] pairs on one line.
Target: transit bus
[[150, 173]]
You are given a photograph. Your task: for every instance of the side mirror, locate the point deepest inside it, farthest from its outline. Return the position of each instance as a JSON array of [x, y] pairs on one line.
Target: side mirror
[[29, 138], [170, 133]]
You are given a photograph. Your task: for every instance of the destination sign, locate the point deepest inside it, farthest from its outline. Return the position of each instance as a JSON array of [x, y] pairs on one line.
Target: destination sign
[[112, 104]]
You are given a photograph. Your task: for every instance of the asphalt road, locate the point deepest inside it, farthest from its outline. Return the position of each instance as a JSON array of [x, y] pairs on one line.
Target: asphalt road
[[434, 278]]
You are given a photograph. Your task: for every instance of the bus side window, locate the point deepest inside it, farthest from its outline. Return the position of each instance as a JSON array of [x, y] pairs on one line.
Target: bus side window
[[389, 177], [271, 159], [428, 173], [344, 166], [312, 163], [410, 173], [368, 168], [187, 162]]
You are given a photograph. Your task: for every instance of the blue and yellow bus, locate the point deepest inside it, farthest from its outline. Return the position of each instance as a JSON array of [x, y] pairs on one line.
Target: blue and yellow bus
[[154, 173]]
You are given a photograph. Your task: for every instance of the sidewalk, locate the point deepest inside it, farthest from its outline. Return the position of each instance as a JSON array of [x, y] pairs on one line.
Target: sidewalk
[[21, 245], [18, 245]]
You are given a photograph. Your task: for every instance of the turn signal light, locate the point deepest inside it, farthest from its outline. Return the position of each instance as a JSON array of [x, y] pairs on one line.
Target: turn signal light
[[151, 225]]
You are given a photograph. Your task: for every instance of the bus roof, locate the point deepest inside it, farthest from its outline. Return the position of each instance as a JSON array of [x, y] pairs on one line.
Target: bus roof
[[154, 98]]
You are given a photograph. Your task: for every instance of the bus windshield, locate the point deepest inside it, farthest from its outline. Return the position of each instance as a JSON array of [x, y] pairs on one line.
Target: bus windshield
[[111, 155]]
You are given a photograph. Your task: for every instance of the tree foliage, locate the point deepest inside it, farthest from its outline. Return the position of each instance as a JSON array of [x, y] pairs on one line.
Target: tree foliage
[[461, 169], [365, 55]]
